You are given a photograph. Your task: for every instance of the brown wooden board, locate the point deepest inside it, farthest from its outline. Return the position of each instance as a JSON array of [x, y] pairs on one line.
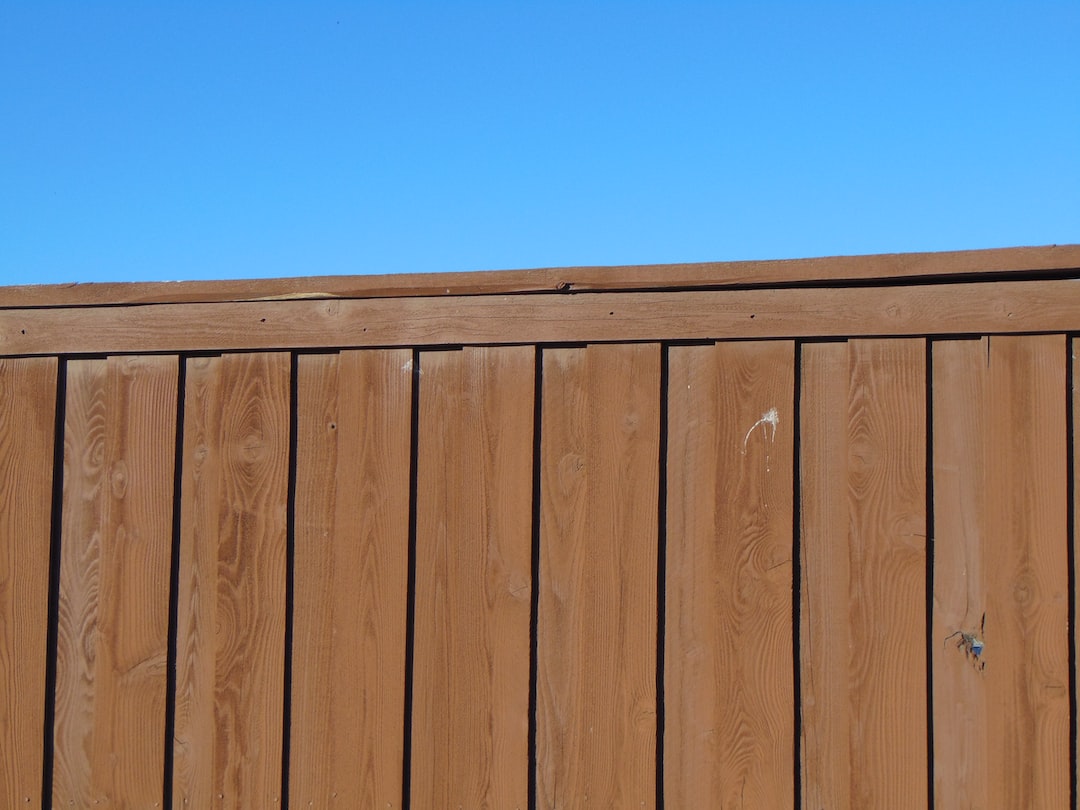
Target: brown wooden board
[[659, 276], [231, 615], [596, 680], [470, 721], [868, 650], [729, 710], [27, 428], [935, 309], [1001, 674], [350, 579], [115, 552]]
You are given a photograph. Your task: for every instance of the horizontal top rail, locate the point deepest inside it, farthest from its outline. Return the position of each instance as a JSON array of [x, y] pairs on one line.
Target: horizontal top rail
[[986, 307], [970, 264]]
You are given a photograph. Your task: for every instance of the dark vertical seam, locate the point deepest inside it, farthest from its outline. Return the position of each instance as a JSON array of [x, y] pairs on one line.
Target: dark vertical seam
[[290, 568], [174, 589], [796, 574], [929, 597], [1070, 483], [410, 607], [661, 572], [534, 605], [52, 632]]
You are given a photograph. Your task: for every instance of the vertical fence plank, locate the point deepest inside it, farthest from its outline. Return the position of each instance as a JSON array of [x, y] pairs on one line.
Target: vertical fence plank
[[1028, 533], [473, 588], [27, 426], [729, 737], [961, 736], [596, 714], [825, 588], [350, 578], [116, 546], [231, 616], [876, 639]]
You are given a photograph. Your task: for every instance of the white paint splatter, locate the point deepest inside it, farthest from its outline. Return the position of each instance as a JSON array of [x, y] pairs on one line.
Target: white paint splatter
[[407, 367], [771, 418]]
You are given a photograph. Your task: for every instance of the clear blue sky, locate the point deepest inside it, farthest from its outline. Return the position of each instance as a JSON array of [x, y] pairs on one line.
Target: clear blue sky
[[153, 140]]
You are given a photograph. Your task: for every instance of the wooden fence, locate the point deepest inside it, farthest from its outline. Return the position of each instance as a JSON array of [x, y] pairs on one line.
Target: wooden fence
[[763, 535]]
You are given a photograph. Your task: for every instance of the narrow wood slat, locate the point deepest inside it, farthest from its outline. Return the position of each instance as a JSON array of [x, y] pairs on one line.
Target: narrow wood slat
[[350, 579], [473, 579], [826, 578], [962, 777], [596, 680], [729, 731], [116, 547], [872, 648], [833, 268], [27, 428], [1006, 306], [231, 615], [1001, 702]]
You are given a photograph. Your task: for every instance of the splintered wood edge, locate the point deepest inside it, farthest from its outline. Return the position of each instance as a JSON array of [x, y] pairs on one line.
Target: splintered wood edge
[[868, 268]]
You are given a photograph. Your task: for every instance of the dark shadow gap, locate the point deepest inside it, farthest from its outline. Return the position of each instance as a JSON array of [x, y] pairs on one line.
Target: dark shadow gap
[[661, 574], [1070, 483], [290, 568], [55, 534], [174, 589], [410, 607], [796, 575], [930, 573], [534, 607]]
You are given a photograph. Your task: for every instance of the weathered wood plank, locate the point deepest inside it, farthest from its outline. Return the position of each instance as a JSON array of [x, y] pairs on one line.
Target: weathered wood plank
[[350, 578], [27, 427], [1000, 307], [116, 547], [678, 276], [1029, 502], [729, 736], [876, 639], [231, 616], [826, 578], [473, 579], [961, 736], [596, 680]]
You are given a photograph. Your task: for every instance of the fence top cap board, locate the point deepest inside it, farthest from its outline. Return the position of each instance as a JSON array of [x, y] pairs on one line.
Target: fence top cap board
[[895, 267]]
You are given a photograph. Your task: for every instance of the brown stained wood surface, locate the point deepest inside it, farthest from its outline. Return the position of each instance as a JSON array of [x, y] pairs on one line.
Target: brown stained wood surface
[[115, 552], [875, 641], [1003, 306], [962, 742], [1001, 723], [825, 683], [350, 579], [835, 268], [596, 681], [231, 616], [729, 736], [27, 414], [473, 579]]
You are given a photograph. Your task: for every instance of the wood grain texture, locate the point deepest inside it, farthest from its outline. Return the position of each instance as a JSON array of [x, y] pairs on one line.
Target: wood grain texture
[[826, 579], [596, 679], [231, 616], [961, 709], [834, 268], [1001, 722], [875, 641], [27, 427], [115, 553], [350, 579], [729, 719], [1000, 307], [473, 579]]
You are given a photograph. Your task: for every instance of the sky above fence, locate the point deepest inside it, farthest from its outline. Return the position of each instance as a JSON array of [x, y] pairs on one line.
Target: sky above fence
[[151, 141]]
